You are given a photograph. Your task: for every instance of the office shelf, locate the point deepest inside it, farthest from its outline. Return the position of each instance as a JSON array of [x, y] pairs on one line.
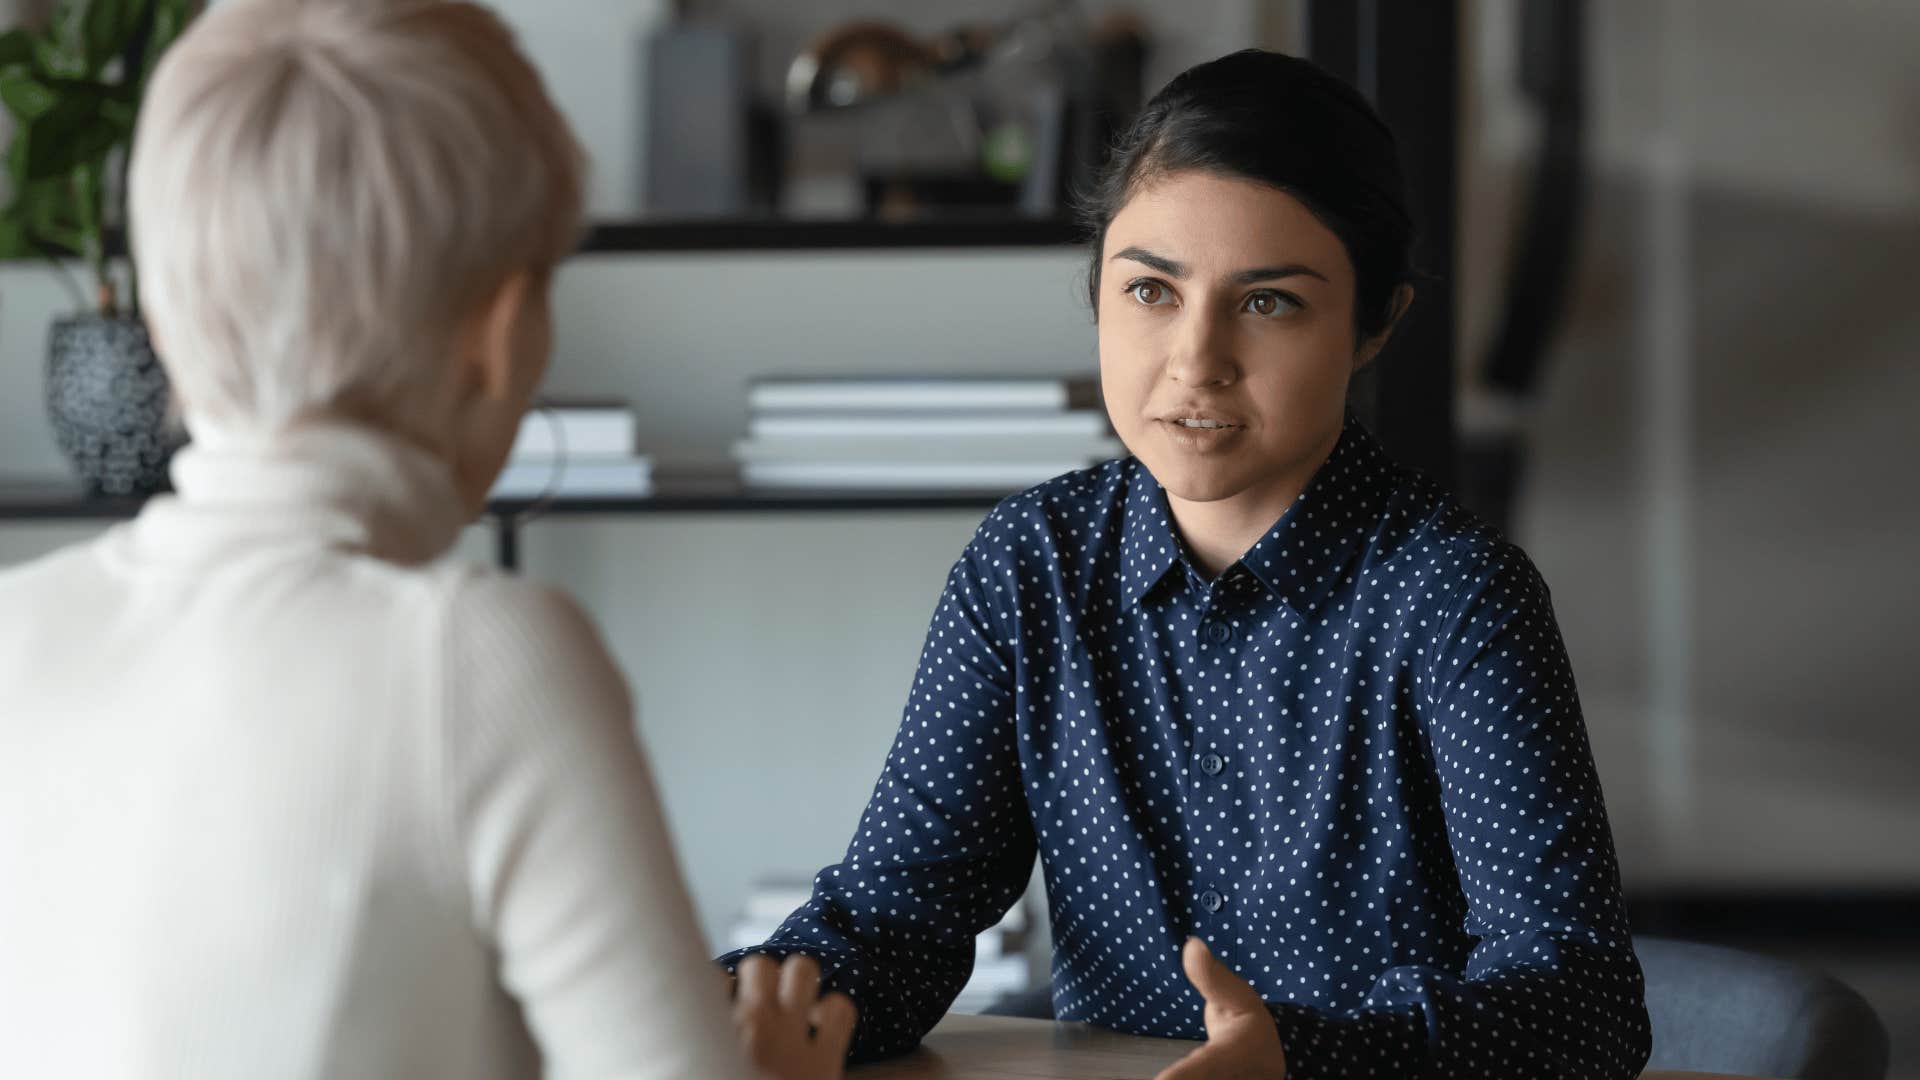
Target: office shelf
[[773, 234], [788, 234], [47, 500]]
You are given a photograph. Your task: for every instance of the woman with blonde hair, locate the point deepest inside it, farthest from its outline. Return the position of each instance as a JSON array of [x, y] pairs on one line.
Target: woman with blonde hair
[[284, 792]]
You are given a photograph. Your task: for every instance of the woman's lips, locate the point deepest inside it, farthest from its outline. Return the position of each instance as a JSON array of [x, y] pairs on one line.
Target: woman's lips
[[1200, 438]]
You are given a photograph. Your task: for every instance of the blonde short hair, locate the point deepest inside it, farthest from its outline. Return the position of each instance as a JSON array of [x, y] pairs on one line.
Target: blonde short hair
[[322, 190]]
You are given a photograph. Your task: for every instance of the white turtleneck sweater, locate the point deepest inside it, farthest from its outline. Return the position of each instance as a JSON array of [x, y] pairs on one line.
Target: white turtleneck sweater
[[284, 794]]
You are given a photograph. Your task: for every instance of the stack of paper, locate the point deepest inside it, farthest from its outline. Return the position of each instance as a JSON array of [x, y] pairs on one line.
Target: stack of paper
[[1000, 965], [767, 906], [915, 434], [576, 450]]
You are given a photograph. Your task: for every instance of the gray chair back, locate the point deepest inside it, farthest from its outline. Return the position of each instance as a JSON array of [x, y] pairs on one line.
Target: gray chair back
[[1715, 1010], [1722, 1010]]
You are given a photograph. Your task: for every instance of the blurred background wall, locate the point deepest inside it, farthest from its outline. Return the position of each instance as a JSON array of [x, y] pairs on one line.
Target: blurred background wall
[[1721, 491]]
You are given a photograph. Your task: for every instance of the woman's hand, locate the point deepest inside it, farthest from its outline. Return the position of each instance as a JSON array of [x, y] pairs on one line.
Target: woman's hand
[[790, 1031], [1242, 1041]]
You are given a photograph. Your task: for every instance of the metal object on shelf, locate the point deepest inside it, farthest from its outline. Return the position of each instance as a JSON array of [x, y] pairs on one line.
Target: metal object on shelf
[[983, 116], [696, 123], [855, 64]]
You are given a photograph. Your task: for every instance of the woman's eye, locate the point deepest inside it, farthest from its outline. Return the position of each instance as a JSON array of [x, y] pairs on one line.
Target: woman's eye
[[1151, 293], [1270, 303]]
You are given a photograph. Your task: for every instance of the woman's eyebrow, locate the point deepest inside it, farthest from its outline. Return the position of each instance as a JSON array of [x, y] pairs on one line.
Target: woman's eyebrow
[[1176, 269], [1156, 262], [1268, 273]]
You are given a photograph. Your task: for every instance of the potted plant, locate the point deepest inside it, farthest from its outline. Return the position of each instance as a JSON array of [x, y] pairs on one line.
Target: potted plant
[[73, 89]]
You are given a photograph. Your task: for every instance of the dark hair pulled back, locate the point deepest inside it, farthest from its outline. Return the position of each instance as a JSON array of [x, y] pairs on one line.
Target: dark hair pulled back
[[1282, 121]]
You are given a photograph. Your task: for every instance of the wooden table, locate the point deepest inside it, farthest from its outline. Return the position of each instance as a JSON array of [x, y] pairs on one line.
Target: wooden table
[[998, 1048]]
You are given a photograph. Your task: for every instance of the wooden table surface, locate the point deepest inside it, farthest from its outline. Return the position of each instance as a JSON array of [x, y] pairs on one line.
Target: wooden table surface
[[999, 1048]]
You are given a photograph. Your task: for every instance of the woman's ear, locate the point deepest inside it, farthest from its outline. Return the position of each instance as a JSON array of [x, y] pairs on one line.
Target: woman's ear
[[492, 336], [1370, 348]]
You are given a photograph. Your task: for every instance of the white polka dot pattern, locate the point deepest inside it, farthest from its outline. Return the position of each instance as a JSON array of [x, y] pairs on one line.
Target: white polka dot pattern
[[1354, 763]]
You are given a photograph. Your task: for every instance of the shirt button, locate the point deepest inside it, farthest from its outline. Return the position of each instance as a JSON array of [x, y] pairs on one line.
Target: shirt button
[[1219, 633], [1212, 764], [1212, 901]]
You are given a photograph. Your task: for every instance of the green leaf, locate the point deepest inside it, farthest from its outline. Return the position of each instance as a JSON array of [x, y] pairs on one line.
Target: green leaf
[[49, 158], [54, 61], [74, 133], [16, 47], [26, 97], [177, 12], [17, 160], [13, 239], [120, 114], [107, 28], [66, 27], [170, 19], [47, 214]]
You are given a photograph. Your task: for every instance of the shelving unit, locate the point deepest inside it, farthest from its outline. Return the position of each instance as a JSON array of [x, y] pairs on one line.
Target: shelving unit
[[789, 234], [774, 234], [51, 500]]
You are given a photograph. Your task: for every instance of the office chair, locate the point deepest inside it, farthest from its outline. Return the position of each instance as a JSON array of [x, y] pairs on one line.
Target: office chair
[[1717, 1009]]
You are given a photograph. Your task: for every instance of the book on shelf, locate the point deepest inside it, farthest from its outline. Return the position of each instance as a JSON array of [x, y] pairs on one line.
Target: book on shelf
[[767, 906], [1087, 424], [575, 477], [1000, 963], [992, 979], [905, 475], [578, 429], [1087, 450], [921, 433], [921, 393]]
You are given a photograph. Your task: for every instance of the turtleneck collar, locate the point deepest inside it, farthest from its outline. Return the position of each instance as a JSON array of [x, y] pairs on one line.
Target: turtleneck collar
[[329, 484]]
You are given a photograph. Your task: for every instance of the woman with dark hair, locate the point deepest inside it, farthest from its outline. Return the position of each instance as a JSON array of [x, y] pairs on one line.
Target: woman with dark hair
[[1294, 736]]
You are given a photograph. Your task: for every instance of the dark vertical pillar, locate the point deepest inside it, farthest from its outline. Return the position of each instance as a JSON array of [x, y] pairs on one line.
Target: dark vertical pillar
[[1404, 56], [506, 540]]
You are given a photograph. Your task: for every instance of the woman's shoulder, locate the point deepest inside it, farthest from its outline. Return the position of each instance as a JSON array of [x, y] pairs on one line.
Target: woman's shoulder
[[1076, 505], [1057, 532], [488, 613], [1424, 522], [1072, 498], [521, 661], [1469, 560]]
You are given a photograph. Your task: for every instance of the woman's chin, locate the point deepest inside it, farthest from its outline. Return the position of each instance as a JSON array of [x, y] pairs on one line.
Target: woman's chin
[[1200, 481]]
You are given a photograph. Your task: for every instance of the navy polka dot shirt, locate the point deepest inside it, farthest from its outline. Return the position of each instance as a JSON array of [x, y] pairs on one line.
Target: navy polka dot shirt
[[1354, 764]]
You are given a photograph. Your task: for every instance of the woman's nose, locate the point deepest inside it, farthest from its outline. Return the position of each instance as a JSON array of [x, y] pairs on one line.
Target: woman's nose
[[1203, 354]]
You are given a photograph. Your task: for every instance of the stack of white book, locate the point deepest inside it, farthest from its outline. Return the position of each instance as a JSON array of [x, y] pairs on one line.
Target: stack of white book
[[918, 434], [576, 450], [1000, 965], [767, 906]]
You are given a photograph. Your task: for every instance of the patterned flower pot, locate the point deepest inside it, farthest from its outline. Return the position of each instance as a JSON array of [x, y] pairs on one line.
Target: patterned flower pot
[[107, 397]]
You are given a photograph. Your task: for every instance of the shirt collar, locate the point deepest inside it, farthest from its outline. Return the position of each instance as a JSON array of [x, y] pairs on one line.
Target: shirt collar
[[1148, 545], [1300, 559]]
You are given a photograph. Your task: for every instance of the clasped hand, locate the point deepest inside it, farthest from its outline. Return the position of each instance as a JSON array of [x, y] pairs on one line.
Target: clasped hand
[[1242, 1041], [790, 1031]]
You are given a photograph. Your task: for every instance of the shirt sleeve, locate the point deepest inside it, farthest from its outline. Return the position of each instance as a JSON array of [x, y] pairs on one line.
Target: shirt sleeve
[[944, 848], [1552, 988], [561, 848]]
